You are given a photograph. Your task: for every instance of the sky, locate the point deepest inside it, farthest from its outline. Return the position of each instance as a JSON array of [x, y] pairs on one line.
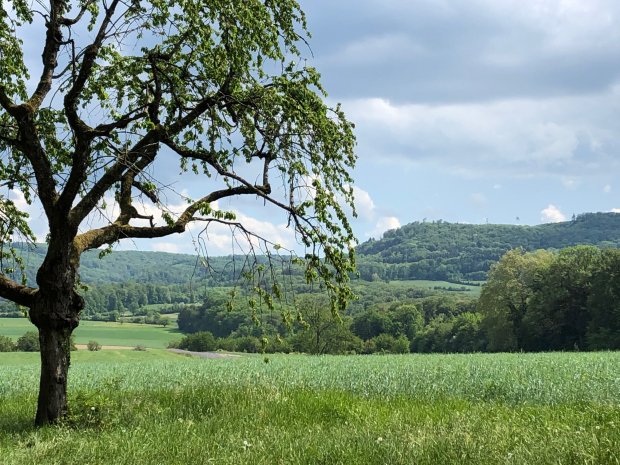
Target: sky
[[506, 111]]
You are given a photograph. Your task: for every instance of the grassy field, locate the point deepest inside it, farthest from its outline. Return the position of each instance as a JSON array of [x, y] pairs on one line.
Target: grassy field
[[472, 290], [424, 409], [113, 334], [103, 356]]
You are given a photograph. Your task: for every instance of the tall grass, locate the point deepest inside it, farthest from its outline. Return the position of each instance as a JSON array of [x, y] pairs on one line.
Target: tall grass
[[544, 408]]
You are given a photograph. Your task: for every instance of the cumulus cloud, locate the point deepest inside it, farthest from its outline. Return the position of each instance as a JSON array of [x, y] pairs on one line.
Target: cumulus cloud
[[165, 247], [607, 189], [615, 210], [385, 223], [364, 204], [478, 201], [568, 137], [552, 214]]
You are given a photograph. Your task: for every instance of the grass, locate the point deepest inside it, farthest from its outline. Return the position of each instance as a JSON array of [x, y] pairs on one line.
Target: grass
[[472, 290], [113, 334], [83, 355], [426, 409]]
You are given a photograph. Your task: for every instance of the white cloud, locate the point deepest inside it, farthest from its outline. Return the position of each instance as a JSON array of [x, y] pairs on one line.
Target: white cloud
[[607, 189], [497, 186], [385, 223], [570, 183], [568, 137], [615, 210], [165, 247], [477, 200], [552, 214], [363, 204]]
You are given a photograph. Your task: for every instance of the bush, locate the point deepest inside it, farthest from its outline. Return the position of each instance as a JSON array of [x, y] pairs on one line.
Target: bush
[[6, 344], [249, 344], [384, 343], [401, 345], [173, 345], [140, 348], [29, 342], [93, 346], [228, 344], [198, 342]]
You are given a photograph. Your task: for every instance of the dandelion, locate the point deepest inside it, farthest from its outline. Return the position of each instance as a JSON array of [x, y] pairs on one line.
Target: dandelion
[[92, 408]]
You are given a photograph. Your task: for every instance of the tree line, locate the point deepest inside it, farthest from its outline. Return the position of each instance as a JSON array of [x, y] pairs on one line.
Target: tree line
[[533, 301]]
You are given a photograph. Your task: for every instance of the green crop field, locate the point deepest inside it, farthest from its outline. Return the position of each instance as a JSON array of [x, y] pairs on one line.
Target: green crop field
[[83, 355], [472, 290], [113, 334], [561, 408]]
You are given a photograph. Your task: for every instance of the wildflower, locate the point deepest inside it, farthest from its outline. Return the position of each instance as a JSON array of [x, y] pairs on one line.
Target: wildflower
[[379, 440], [92, 408]]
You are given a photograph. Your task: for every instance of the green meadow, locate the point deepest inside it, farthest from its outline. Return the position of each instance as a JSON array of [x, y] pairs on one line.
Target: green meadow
[[561, 408], [113, 334]]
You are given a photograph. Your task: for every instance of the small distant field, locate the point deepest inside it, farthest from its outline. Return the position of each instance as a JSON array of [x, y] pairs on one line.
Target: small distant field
[[472, 290], [112, 334], [521, 409], [85, 356]]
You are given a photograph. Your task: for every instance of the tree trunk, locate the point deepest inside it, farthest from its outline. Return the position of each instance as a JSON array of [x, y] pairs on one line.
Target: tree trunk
[[55, 360], [55, 311]]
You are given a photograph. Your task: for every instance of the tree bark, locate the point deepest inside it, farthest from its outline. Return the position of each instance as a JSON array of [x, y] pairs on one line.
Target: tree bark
[[55, 311], [55, 360]]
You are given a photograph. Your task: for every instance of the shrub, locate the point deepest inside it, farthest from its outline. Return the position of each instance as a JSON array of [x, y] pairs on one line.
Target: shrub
[[228, 343], [93, 346], [198, 342], [249, 344], [29, 342], [173, 345], [140, 348], [6, 344], [401, 345]]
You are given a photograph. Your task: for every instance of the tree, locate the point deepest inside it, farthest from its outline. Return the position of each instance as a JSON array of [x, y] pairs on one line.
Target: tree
[[29, 342], [604, 303], [198, 342], [6, 344], [189, 79], [324, 333], [557, 316], [504, 300]]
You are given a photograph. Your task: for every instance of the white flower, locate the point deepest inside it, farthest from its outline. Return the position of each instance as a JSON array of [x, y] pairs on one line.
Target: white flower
[[379, 440]]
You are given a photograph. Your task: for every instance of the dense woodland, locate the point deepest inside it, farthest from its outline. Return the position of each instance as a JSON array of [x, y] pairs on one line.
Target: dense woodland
[[465, 252]]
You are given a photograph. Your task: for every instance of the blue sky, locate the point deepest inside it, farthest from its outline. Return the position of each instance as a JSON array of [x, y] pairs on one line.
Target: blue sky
[[465, 110]]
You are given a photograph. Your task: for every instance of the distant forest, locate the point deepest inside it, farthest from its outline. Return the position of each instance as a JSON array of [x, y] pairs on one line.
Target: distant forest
[[456, 252]]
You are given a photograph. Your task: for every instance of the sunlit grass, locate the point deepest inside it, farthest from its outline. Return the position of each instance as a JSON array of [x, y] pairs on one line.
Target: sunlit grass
[[534, 408], [113, 334]]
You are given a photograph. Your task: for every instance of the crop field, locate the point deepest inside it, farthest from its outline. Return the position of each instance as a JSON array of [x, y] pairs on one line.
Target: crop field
[[472, 290], [561, 408], [112, 334]]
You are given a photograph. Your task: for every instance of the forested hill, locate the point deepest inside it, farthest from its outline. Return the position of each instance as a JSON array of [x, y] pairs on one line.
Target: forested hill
[[464, 252], [434, 251], [138, 266]]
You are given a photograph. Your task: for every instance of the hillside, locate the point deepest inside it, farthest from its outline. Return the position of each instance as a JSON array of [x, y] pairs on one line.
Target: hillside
[[436, 251], [138, 266], [464, 252]]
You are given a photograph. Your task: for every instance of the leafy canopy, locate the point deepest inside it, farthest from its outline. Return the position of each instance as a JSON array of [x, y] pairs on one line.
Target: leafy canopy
[[221, 85]]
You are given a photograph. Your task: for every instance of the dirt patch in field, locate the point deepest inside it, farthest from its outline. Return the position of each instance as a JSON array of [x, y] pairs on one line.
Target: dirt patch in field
[[84, 346], [205, 354]]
